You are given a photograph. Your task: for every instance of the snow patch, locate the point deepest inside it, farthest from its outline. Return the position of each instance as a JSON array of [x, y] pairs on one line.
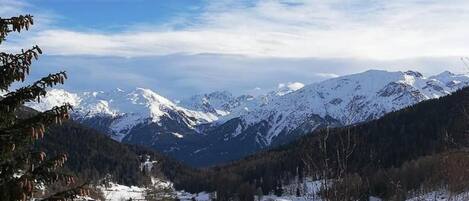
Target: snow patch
[[178, 135]]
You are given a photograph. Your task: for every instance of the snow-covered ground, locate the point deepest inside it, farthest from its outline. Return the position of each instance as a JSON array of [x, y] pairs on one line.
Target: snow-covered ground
[[309, 190], [120, 192], [185, 196], [288, 198], [432, 196], [117, 192], [442, 195]]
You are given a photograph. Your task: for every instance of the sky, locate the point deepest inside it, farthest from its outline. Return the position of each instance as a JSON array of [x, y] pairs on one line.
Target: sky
[[183, 47]]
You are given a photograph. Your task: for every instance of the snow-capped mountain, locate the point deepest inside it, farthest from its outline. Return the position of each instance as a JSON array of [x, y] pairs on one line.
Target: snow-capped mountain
[[118, 112], [227, 106], [347, 100], [210, 128], [335, 102], [220, 103]]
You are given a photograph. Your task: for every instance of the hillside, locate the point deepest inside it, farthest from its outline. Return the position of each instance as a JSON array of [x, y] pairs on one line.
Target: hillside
[[421, 147], [93, 155]]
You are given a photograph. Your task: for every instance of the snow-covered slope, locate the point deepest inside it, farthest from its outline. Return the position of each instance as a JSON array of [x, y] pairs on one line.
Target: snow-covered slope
[[123, 110], [218, 103], [117, 192], [348, 100], [227, 106]]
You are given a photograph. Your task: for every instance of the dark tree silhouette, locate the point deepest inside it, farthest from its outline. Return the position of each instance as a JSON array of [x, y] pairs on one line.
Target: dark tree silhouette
[[22, 167]]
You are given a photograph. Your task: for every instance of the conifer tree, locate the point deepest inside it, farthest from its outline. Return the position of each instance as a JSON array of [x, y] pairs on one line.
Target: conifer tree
[[24, 169]]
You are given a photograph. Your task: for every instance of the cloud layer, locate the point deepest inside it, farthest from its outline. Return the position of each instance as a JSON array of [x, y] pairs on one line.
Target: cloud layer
[[251, 47], [178, 76], [364, 29]]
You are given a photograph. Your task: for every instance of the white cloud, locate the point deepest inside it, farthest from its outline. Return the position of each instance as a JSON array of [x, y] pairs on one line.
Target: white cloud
[[277, 43], [11, 7], [178, 76], [279, 28], [291, 85], [327, 75]]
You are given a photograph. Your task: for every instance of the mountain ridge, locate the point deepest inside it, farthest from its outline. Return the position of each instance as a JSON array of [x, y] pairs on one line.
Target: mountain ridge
[[219, 127]]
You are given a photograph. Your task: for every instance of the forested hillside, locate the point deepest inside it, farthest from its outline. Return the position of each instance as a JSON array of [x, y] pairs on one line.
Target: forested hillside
[[420, 147], [93, 155]]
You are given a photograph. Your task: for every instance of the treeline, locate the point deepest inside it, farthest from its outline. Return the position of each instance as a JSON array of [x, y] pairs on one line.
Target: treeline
[[419, 147], [94, 156]]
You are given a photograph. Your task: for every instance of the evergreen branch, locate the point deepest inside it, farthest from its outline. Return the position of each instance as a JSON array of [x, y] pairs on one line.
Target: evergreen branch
[[14, 24], [39, 170], [56, 115], [45, 170], [13, 100], [15, 67], [20, 132], [21, 168], [69, 193], [35, 126]]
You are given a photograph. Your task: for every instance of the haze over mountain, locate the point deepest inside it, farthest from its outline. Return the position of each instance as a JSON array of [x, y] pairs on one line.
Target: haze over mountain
[[218, 127]]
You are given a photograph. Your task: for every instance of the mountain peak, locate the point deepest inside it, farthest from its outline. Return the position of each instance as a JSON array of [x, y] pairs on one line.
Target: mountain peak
[[413, 73], [56, 97], [150, 96], [377, 72], [373, 72], [445, 74]]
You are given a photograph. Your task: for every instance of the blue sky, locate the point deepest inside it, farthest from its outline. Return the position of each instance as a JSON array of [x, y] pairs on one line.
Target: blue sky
[[116, 15], [182, 47]]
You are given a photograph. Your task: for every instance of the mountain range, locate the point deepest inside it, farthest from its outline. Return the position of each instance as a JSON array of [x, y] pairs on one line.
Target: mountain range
[[213, 128]]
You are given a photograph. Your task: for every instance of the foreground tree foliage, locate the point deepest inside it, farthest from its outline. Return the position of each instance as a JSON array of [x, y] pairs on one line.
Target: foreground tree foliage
[[24, 169]]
